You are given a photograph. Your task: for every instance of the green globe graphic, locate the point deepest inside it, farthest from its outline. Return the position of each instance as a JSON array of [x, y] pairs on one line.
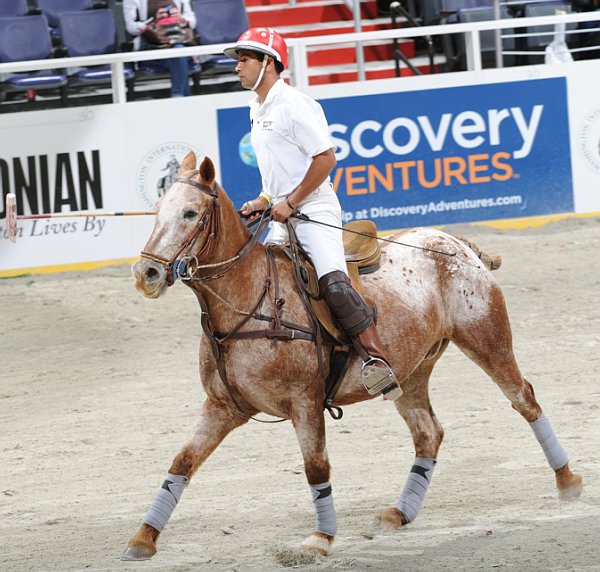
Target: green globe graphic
[[246, 152]]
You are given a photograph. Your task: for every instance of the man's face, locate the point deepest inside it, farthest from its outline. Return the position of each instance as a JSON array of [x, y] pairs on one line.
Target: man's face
[[248, 68]]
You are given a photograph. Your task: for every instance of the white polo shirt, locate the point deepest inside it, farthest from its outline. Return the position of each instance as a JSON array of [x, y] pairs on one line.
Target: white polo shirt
[[288, 130]]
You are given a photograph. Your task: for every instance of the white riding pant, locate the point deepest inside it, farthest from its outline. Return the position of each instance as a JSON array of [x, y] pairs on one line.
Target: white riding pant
[[323, 244]]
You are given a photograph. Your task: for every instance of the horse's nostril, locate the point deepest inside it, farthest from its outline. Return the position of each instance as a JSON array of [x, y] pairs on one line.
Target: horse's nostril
[[151, 274]]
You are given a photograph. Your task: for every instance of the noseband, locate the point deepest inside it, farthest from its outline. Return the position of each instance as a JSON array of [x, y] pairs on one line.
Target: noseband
[[176, 267]]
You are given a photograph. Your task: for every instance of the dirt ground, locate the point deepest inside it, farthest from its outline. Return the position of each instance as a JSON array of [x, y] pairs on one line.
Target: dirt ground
[[99, 390]]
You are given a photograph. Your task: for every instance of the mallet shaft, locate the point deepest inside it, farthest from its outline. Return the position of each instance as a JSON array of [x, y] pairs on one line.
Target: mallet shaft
[[83, 213], [12, 216]]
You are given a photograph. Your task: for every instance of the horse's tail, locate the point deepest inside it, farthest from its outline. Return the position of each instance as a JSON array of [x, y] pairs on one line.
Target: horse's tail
[[491, 262]]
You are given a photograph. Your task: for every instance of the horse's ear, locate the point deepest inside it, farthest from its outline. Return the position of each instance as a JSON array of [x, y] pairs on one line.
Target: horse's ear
[[207, 171], [188, 163]]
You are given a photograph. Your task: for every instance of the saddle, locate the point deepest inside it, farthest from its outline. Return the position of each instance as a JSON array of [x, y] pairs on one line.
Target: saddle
[[363, 256]]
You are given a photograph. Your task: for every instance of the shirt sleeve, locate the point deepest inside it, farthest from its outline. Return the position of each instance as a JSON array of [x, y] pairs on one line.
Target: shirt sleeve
[[308, 127], [130, 14]]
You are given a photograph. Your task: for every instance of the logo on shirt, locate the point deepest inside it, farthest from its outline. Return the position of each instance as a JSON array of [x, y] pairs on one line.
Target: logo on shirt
[[267, 126]]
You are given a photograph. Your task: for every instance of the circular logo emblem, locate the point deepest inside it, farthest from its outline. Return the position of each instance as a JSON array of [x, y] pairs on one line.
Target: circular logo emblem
[[589, 139], [158, 170], [246, 151]]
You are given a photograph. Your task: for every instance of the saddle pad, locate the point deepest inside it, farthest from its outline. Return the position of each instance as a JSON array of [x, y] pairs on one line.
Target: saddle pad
[[362, 248]]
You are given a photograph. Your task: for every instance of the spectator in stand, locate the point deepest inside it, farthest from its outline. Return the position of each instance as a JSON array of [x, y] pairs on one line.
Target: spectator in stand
[[138, 14]]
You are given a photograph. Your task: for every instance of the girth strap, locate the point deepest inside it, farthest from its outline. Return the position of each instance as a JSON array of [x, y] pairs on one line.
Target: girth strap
[[269, 334], [280, 330]]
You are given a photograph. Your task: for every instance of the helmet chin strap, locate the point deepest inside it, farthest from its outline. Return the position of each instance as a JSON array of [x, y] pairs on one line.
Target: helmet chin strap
[[265, 60], [262, 72]]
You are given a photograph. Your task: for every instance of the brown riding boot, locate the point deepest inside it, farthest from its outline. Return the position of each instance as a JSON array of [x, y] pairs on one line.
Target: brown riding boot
[[376, 374], [357, 321]]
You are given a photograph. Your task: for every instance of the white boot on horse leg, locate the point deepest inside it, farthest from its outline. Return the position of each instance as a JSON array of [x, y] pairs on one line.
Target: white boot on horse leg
[[409, 504], [214, 424], [156, 518], [570, 485], [309, 424], [321, 540]]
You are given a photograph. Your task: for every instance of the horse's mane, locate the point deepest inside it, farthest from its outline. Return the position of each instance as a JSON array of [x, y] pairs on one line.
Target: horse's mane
[[206, 173], [229, 210]]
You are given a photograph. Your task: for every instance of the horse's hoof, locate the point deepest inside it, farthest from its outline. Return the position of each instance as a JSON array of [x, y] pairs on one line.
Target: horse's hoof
[[138, 553], [318, 543], [389, 521], [572, 490], [570, 485]]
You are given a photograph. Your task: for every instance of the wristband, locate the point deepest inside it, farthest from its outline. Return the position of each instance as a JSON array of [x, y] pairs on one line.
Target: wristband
[[266, 197], [287, 202]]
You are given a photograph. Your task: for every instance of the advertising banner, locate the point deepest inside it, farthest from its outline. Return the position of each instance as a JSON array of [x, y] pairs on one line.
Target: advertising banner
[[437, 156], [500, 144], [105, 158]]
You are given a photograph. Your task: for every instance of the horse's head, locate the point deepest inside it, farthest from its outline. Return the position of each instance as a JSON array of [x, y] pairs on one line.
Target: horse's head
[[186, 226]]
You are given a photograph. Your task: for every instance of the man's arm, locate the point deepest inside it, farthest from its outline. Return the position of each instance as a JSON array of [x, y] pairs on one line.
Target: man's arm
[[322, 164]]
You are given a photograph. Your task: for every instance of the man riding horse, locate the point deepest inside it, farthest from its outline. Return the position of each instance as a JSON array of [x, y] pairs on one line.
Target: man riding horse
[[295, 154]]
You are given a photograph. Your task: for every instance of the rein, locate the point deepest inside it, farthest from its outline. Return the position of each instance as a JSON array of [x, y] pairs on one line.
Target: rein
[[185, 265]]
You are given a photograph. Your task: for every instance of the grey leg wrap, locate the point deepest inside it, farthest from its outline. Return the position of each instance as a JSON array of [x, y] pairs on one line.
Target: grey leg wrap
[[555, 453], [415, 489], [323, 500], [165, 501]]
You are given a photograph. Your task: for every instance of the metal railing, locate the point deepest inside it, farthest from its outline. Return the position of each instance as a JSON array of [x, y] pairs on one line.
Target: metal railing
[[354, 6], [396, 8]]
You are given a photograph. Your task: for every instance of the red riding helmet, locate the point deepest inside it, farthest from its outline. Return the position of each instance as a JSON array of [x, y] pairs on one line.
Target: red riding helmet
[[262, 40]]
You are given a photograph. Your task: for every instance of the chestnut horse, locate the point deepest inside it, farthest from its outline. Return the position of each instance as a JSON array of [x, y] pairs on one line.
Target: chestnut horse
[[426, 296]]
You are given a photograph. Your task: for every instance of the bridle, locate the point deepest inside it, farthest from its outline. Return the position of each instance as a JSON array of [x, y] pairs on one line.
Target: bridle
[[176, 266], [184, 265]]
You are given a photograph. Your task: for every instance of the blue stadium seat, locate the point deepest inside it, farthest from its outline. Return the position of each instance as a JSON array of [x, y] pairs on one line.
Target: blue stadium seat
[[456, 5], [52, 9], [24, 38], [14, 8], [487, 38], [588, 38], [538, 43], [219, 22], [89, 33]]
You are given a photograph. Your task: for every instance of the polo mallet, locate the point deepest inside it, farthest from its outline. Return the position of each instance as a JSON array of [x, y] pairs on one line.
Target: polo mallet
[[12, 217]]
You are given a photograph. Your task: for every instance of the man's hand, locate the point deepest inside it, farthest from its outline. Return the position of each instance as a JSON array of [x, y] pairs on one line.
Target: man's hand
[[247, 208], [258, 204], [168, 12], [282, 211]]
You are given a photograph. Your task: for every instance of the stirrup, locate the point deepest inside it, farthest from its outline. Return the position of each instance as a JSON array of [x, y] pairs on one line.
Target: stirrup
[[377, 376]]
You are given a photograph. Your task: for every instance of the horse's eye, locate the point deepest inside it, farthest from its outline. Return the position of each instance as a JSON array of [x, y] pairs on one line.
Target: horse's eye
[[190, 214]]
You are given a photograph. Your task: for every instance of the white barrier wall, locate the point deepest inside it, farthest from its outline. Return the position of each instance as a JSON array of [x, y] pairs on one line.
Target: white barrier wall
[[488, 145]]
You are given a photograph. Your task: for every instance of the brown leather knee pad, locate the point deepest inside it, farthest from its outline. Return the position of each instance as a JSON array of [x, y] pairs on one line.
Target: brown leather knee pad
[[345, 303]]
